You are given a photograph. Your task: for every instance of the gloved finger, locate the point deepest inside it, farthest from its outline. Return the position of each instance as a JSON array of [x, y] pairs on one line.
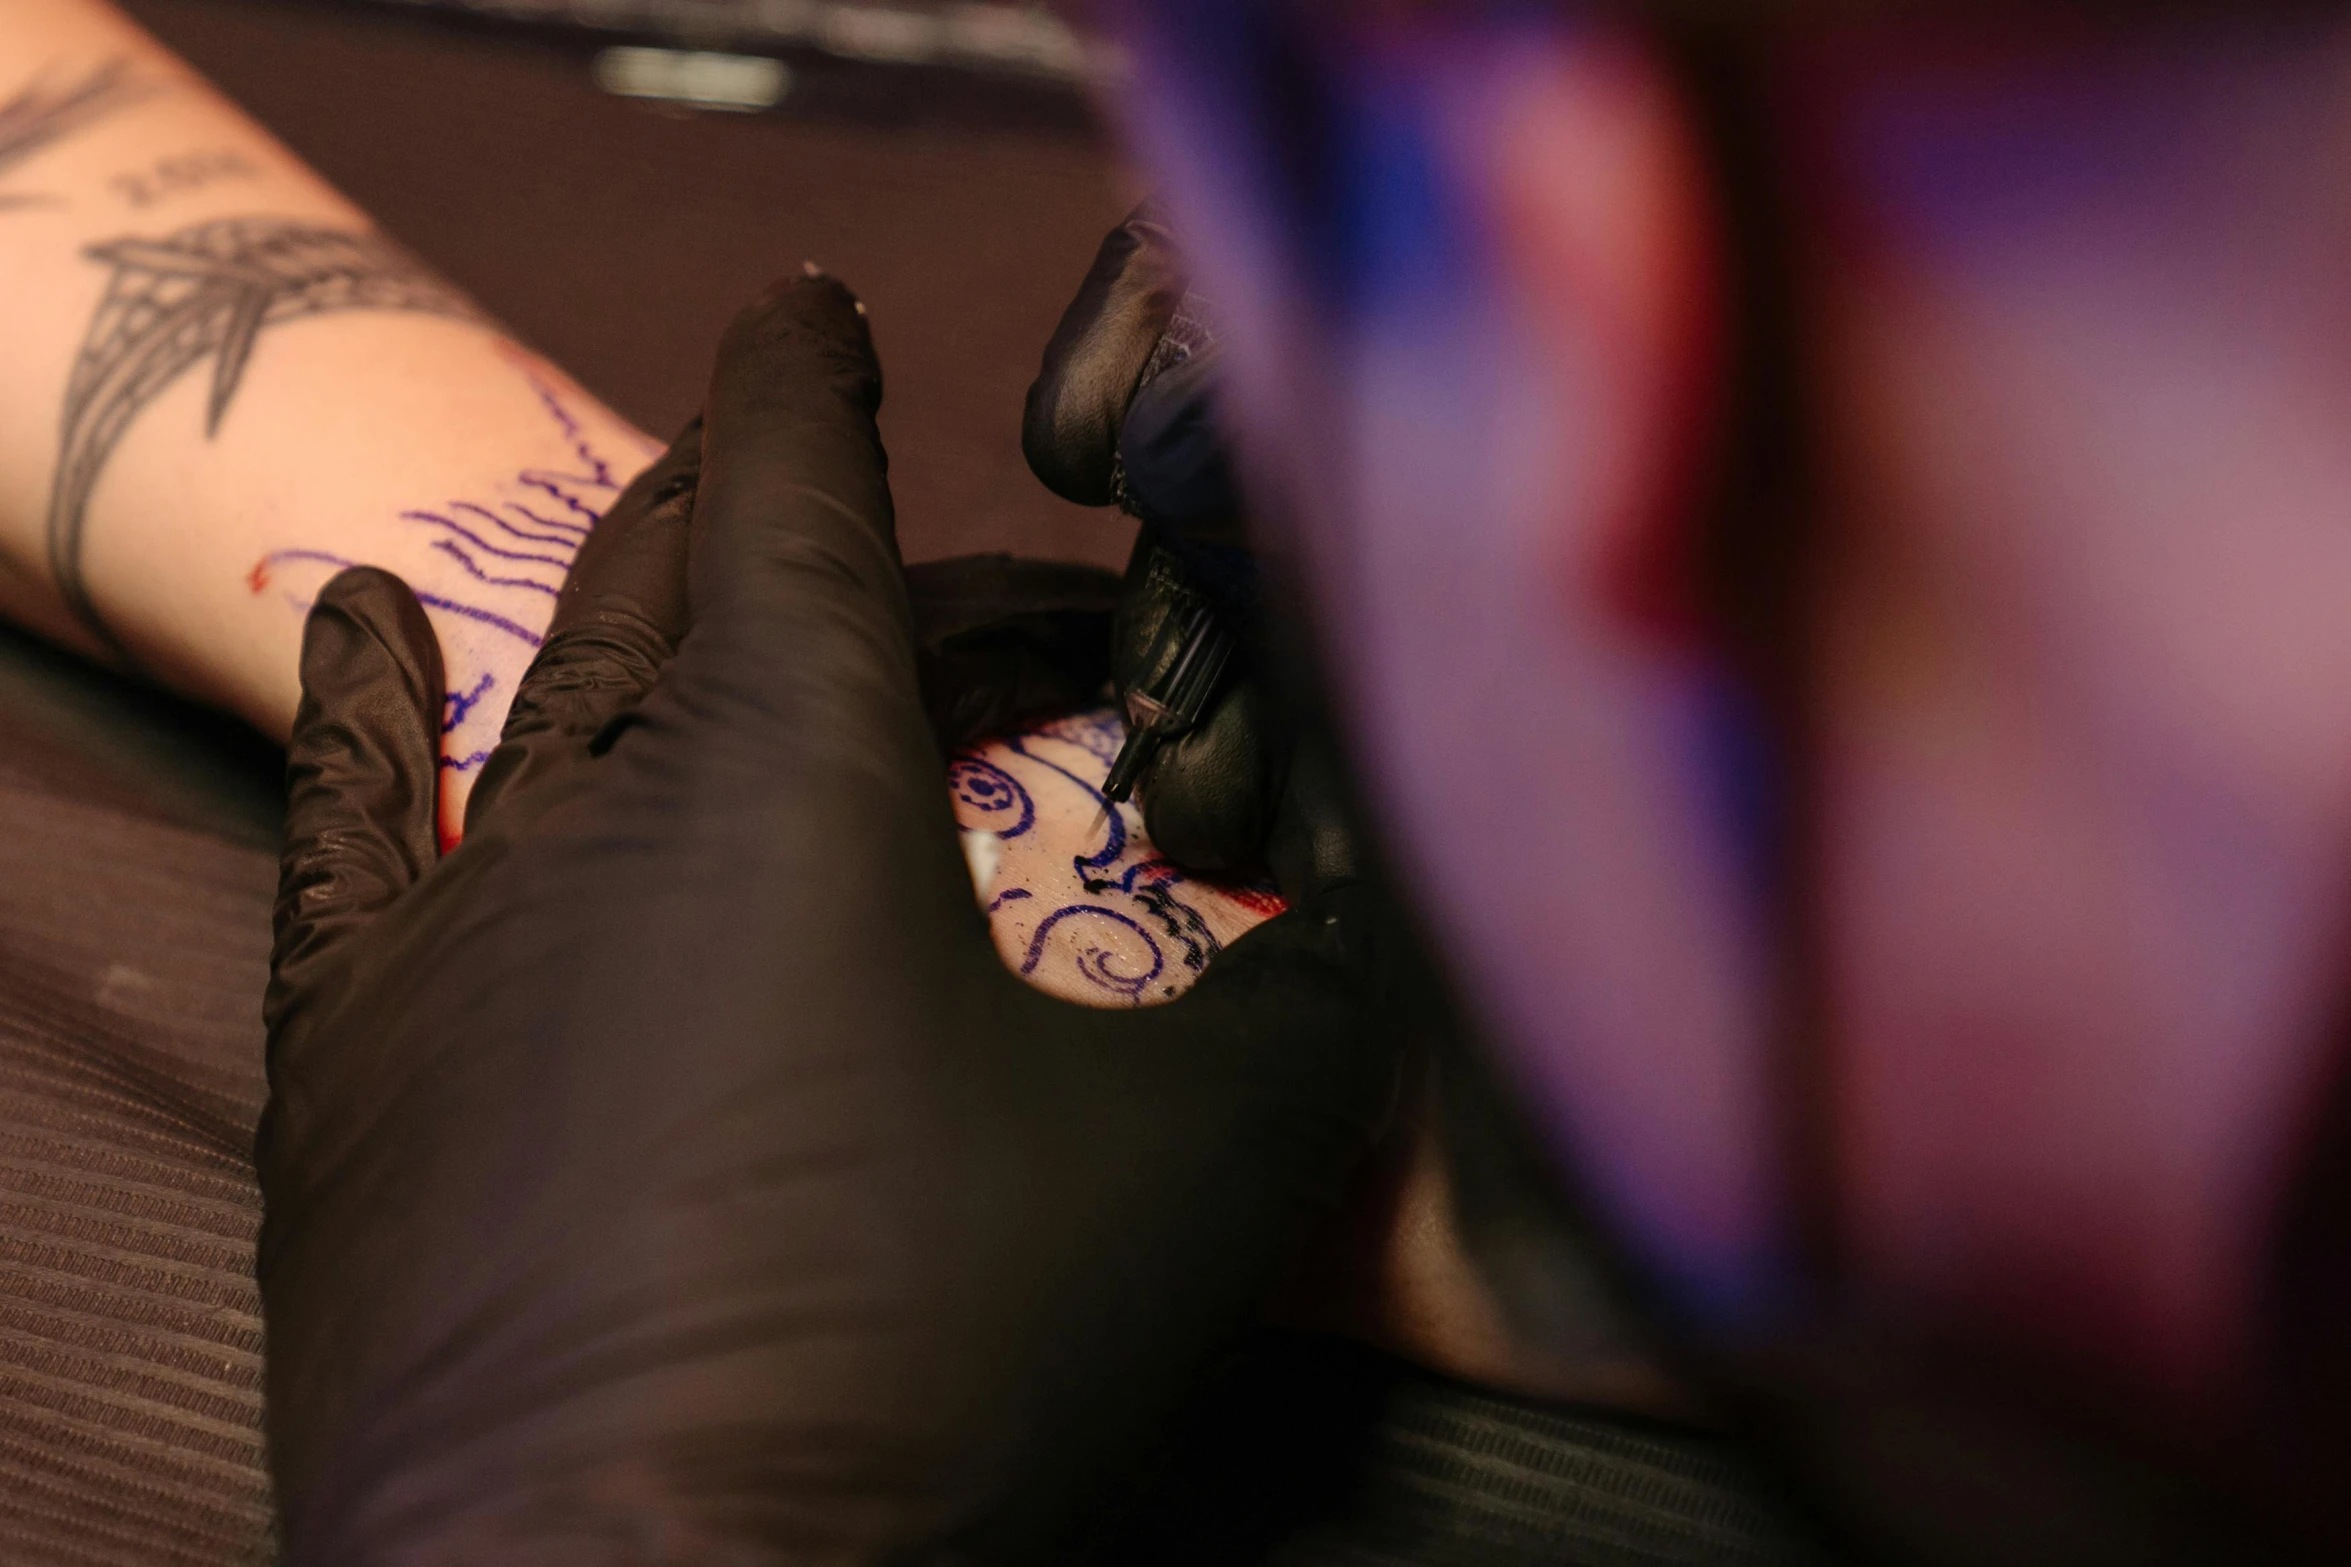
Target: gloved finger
[[1244, 791], [800, 618], [1172, 451], [616, 623], [1000, 642], [362, 776], [1295, 1005], [1239, 1110], [1314, 843], [1208, 796], [1078, 403]]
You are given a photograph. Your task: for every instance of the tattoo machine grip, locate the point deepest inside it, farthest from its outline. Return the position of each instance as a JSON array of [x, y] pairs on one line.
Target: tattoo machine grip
[[1184, 667]]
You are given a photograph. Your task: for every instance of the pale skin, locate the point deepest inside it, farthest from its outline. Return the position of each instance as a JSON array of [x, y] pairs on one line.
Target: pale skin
[[340, 421], [222, 385]]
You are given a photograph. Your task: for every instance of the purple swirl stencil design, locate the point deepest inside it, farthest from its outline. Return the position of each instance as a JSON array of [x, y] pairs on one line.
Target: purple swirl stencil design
[[989, 799], [507, 552]]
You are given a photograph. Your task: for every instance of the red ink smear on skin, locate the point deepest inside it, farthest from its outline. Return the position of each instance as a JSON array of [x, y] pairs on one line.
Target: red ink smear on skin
[[258, 578], [1265, 905]]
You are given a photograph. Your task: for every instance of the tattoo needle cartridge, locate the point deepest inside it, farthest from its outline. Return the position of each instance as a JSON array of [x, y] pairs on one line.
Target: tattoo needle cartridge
[[1186, 661]]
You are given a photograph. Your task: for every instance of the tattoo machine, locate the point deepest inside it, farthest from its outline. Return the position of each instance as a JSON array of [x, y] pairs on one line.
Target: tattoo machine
[[1184, 667]]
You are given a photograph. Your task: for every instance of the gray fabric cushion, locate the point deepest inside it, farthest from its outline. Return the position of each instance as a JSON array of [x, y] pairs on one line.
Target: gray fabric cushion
[[135, 879]]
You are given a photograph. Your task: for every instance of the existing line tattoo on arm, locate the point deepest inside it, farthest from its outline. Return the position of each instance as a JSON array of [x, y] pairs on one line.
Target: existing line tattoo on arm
[[204, 293], [177, 174], [40, 114]]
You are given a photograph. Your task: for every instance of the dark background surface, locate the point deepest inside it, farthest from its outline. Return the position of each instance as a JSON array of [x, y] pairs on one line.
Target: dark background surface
[[137, 834]]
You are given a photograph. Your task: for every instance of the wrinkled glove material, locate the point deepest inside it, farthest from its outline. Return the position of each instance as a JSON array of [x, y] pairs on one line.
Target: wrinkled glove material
[[672, 1171]]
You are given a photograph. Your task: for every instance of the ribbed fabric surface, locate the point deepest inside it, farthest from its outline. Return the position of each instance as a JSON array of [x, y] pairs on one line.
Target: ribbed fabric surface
[[135, 880], [1310, 1451], [1452, 1477], [133, 952]]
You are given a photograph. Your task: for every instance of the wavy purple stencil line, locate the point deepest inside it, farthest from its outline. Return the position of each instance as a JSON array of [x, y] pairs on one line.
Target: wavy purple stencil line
[[575, 492]]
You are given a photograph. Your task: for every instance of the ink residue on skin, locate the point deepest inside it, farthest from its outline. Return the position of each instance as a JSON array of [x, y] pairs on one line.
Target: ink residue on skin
[[1081, 905]]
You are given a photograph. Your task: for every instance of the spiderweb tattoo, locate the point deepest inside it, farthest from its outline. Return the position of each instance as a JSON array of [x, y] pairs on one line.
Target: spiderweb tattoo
[[39, 115], [204, 293]]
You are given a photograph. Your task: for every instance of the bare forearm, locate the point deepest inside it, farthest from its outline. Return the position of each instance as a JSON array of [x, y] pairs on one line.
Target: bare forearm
[[222, 384]]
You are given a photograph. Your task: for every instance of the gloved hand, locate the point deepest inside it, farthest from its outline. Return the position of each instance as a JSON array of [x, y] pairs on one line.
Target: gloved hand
[[1000, 641], [672, 1171], [1122, 413]]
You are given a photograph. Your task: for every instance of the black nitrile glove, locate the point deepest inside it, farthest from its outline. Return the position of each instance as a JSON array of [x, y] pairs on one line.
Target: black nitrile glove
[[1000, 641], [673, 1172], [1122, 412]]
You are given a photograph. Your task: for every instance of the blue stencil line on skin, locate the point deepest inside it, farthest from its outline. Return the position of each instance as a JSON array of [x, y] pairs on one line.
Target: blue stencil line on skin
[[1115, 842], [1129, 937], [991, 790], [576, 491], [456, 704], [569, 538], [435, 519], [531, 584], [1094, 963]]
